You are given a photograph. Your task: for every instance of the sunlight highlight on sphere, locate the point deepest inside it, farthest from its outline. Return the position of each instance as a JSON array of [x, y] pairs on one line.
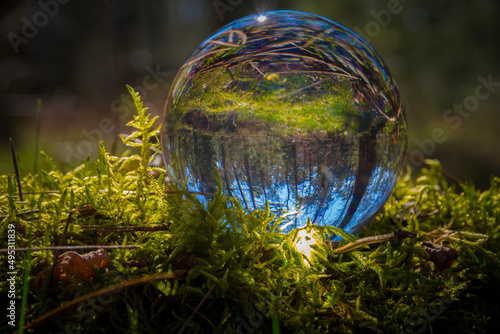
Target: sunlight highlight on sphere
[[290, 109], [261, 18]]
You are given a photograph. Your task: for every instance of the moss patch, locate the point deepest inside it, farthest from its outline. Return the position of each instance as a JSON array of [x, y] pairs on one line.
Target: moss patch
[[226, 270]]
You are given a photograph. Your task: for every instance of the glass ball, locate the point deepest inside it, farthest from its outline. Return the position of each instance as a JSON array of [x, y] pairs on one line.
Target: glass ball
[[289, 109]]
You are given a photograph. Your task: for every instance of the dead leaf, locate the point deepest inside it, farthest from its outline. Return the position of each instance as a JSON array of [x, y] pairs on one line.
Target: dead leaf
[[99, 258], [71, 265], [443, 257]]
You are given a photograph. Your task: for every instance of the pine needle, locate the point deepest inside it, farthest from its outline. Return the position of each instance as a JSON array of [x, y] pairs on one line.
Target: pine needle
[[16, 169]]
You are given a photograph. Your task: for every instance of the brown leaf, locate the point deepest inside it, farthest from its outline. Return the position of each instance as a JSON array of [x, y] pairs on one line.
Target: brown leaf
[[99, 258], [71, 265], [443, 257]]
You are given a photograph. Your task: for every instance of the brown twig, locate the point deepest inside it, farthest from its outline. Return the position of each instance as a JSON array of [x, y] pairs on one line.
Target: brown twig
[[67, 248], [399, 234], [22, 214], [42, 192], [444, 172], [203, 316], [118, 229], [97, 228], [189, 192], [197, 308], [115, 288], [63, 237]]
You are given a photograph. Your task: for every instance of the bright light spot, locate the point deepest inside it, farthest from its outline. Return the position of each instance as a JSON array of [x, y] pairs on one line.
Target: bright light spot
[[304, 242], [261, 18]]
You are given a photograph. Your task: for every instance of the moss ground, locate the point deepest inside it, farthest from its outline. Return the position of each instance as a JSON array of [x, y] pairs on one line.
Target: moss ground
[[218, 268]]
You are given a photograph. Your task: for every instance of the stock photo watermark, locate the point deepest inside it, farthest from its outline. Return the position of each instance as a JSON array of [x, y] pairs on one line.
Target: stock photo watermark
[[454, 118], [223, 6], [250, 323], [11, 274], [123, 107], [87, 310], [381, 19], [30, 27], [420, 321], [254, 320]]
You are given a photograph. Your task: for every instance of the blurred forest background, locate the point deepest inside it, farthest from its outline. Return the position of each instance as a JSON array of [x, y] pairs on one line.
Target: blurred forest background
[[442, 54]]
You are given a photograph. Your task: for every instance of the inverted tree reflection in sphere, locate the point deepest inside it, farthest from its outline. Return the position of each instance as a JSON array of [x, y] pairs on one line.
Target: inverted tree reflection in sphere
[[291, 109]]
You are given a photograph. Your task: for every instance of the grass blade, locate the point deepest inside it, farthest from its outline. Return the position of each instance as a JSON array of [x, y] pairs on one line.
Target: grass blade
[[16, 169], [37, 136]]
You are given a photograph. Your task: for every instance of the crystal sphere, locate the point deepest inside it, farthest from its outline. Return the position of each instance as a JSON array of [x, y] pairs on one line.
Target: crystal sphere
[[289, 109]]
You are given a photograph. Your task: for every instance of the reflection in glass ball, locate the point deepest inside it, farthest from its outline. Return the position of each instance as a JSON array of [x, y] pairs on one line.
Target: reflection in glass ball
[[291, 109]]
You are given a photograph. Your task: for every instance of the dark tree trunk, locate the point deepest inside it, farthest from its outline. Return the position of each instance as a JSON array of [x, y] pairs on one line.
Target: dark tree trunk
[[366, 163]]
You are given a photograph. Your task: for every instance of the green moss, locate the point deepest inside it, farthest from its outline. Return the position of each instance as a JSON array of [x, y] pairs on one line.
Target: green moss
[[244, 274], [272, 101]]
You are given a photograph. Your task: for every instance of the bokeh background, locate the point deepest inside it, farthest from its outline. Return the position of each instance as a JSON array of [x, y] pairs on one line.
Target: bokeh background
[[61, 51]]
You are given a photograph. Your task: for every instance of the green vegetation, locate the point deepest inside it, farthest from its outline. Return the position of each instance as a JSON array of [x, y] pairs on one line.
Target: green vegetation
[[289, 103], [221, 269]]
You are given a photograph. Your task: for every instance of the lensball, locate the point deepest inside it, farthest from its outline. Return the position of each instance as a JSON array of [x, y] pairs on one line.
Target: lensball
[[289, 109]]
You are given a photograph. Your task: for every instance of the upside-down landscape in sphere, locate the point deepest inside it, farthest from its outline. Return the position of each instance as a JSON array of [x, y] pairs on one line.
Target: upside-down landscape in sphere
[[291, 109]]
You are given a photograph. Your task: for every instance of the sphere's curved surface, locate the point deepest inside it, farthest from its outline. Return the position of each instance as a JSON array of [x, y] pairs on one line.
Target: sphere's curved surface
[[291, 109]]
